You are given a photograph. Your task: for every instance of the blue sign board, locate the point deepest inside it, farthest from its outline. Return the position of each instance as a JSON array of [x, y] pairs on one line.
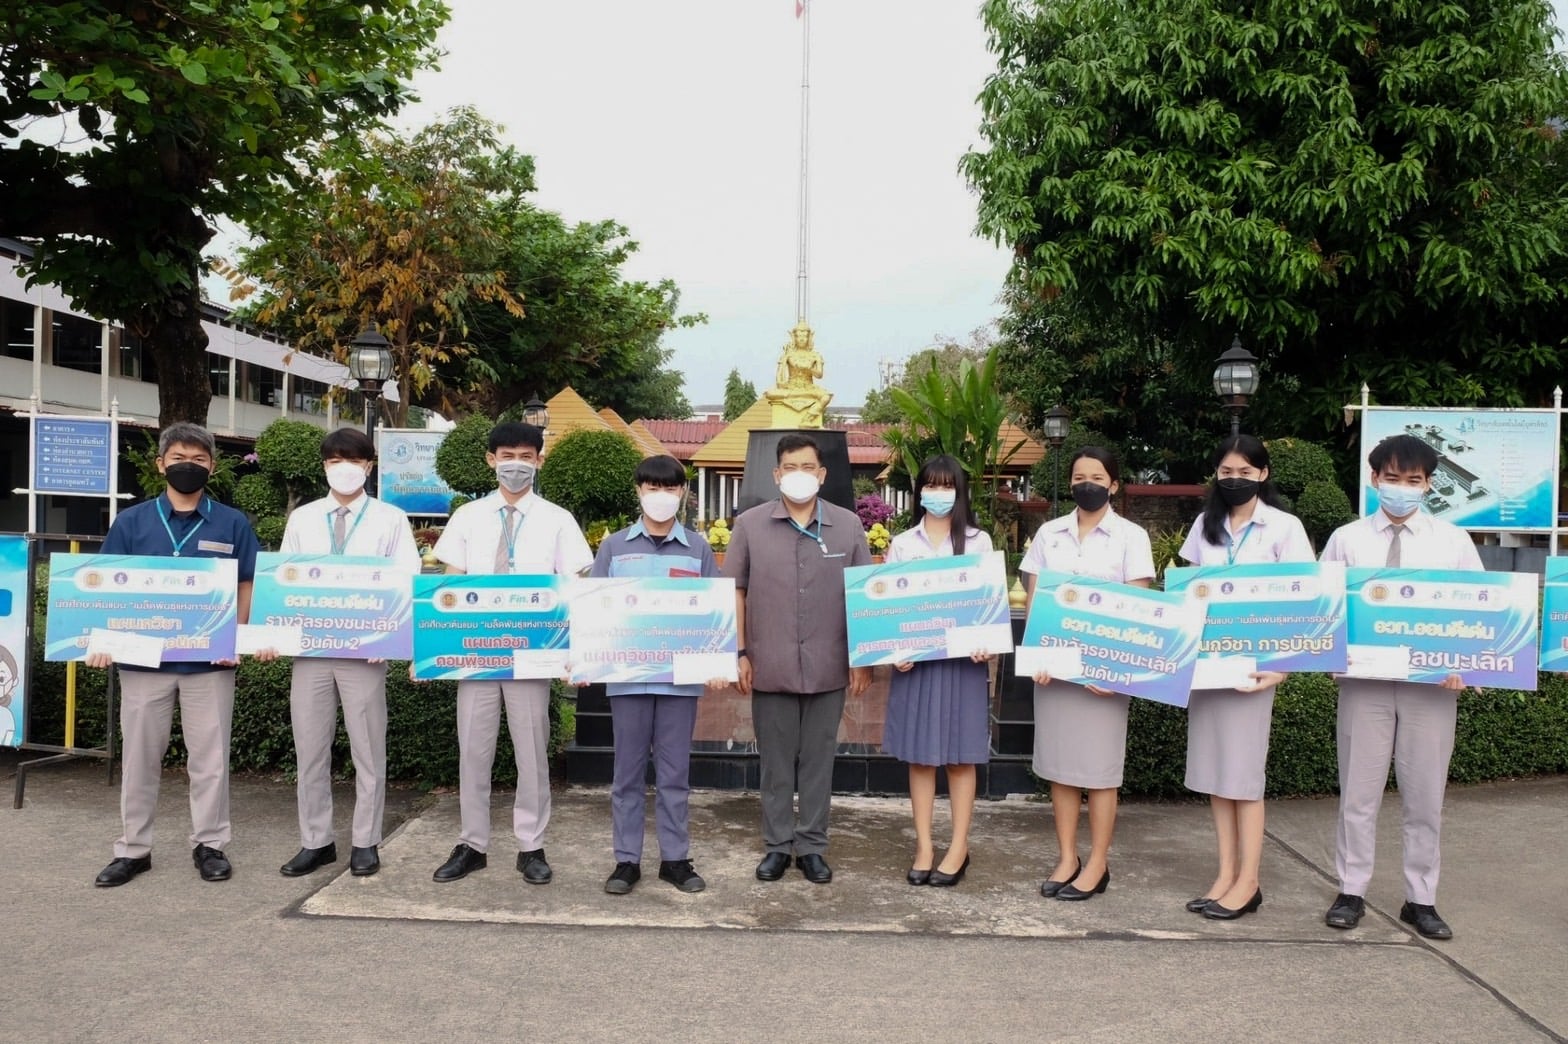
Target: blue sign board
[[1554, 616], [73, 455], [1284, 616], [492, 626], [927, 609], [351, 607], [654, 629], [14, 607], [406, 475], [187, 603]]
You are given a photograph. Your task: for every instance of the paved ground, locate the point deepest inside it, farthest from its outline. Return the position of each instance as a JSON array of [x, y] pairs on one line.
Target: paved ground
[[397, 957]]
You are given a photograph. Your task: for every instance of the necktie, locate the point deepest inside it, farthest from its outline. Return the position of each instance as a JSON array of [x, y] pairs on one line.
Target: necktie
[[503, 550], [340, 531], [1393, 545]]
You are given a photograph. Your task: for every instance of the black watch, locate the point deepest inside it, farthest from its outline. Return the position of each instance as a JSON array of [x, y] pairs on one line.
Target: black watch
[[740, 652]]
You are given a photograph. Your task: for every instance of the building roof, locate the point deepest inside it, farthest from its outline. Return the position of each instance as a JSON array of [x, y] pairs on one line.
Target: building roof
[[728, 447], [645, 442], [571, 412], [682, 438]]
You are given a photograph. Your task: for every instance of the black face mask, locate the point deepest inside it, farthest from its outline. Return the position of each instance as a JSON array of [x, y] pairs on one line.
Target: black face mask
[[1091, 496], [186, 477], [1237, 491]]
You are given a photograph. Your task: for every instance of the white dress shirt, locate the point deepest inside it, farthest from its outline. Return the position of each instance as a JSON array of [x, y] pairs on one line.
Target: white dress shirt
[[1115, 549], [913, 544], [1271, 535], [375, 529], [547, 540], [1427, 543]]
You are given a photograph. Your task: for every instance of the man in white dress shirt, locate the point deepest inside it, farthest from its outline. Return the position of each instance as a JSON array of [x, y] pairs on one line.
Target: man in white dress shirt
[[345, 522], [513, 530], [1412, 724]]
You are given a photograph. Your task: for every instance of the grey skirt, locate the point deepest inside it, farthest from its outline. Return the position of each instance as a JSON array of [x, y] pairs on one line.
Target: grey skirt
[[938, 713], [1080, 739], [1228, 742]]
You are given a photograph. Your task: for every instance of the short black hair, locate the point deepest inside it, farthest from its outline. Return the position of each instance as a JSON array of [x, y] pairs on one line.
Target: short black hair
[[1101, 455], [795, 441], [660, 470], [1404, 451], [512, 434], [347, 444]]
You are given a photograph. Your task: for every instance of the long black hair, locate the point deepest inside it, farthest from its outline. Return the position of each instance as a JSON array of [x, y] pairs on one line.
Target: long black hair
[[945, 468], [1215, 510]]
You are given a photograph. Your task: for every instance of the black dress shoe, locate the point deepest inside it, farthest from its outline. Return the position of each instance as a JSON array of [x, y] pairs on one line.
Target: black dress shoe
[[1346, 911], [362, 862], [1077, 895], [623, 878], [1426, 920], [918, 877], [1198, 905], [121, 870], [773, 866], [1215, 912], [1051, 887], [308, 859], [213, 864], [462, 862], [816, 869], [941, 880], [533, 867], [679, 873]]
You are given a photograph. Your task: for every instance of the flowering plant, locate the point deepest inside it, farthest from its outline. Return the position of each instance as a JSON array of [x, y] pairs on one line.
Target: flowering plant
[[879, 538], [873, 510], [719, 534]]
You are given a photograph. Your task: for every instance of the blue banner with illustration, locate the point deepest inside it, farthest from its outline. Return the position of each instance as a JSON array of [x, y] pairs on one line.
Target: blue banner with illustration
[[15, 606], [187, 604], [1554, 616], [1127, 639], [406, 471], [1496, 468], [497, 627], [1422, 625], [666, 630], [351, 607], [928, 609], [1281, 616]]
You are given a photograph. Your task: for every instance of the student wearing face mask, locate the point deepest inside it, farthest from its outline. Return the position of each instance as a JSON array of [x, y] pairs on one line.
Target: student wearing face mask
[[347, 521], [938, 711], [651, 718], [182, 521], [513, 530], [1080, 731], [1243, 522], [1407, 723]]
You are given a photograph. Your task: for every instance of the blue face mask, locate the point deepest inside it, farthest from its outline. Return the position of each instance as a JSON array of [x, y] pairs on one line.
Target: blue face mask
[[938, 501], [1399, 501]]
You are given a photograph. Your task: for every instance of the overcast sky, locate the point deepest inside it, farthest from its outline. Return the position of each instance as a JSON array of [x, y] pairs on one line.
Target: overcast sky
[[679, 119]]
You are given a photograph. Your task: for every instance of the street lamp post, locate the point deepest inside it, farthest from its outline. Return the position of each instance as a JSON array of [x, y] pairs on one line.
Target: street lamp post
[[1236, 381], [370, 363], [1057, 420], [536, 413]]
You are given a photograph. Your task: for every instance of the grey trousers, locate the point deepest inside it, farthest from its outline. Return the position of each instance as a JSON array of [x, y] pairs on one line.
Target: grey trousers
[[1413, 725], [660, 725], [147, 700], [797, 740], [478, 724], [316, 688]]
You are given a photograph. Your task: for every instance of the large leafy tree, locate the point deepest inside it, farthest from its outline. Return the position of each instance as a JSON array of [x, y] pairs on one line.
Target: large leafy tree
[[945, 357], [128, 126], [739, 395], [1363, 190]]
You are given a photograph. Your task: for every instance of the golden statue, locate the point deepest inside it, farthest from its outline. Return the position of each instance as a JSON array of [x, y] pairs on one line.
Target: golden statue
[[798, 401]]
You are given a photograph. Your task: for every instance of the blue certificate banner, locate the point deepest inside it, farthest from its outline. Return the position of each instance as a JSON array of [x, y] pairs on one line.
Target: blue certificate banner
[[1130, 639], [15, 605], [406, 471], [1554, 616], [187, 603], [347, 606], [670, 630], [929, 609], [1422, 625], [1286, 616], [491, 627]]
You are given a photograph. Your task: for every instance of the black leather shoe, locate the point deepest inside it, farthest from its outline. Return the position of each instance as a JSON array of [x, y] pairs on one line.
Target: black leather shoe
[[1051, 887], [462, 862], [213, 864], [679, 873], [1200, 904], [1070, 894], [773, 866], [308, 859], [918, 877], [1215, 912], [533, 867], [1346, 911], [121, 870], [814, 868], [1426, 920], [622, 878], [941, 880], [362, 862]]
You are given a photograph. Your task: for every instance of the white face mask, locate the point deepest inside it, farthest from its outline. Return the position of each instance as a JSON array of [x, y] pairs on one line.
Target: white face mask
[[346, 478], [661, 505], [799, 486], [514, 476]]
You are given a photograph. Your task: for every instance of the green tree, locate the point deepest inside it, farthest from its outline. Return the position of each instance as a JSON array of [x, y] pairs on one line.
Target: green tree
[[289, 454], [946, 356], [460, 459], [143, 122], [960, 415], [590, 474], [739, 395], [1365, 191]]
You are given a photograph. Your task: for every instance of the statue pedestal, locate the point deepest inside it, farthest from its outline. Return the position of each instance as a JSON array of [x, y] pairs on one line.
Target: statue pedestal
[[757, 485]]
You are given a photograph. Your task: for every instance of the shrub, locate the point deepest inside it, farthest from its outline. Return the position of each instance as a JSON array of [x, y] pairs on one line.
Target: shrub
[[269, 531], [260, 495], [460, 459], [1164, 546], [872, 509], [861, 485], [289, 451], [1323, 508], [590, 473], [1294, 464], [1044, 473]]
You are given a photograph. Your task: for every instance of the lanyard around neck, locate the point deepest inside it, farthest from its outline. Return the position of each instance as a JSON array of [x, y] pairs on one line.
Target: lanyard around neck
[[179, 545], [338, 549], [803, 531], [511, 537], [1235, 545]]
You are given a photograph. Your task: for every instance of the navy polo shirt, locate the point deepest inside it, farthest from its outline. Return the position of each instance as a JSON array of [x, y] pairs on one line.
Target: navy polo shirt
[[213, 530]]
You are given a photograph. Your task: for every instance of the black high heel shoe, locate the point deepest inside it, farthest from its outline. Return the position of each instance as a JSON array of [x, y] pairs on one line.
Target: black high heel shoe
[[1215, 912], [1050, 888], [941, 880], [1078, 895], [1197, 906], [918, 877]]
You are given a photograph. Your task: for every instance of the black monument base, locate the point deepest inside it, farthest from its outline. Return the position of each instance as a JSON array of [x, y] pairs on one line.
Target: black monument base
[[757, 485]]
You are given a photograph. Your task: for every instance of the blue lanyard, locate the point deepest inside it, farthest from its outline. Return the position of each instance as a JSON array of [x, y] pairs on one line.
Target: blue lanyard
[[180, 543], [348, 537], [511, 544], [803, 531], [1235, 545]]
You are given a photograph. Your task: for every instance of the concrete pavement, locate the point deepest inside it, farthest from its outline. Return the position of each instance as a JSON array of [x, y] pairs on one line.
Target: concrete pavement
[[398, 957]]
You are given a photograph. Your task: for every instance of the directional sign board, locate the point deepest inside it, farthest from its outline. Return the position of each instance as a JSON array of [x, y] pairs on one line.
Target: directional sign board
[[73, 455]]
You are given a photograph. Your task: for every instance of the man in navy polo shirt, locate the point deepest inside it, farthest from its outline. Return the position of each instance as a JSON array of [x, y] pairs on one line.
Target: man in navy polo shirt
[[183, 521]]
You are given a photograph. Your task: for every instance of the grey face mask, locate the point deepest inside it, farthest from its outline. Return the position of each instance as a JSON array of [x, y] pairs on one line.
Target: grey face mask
[[515, 476]]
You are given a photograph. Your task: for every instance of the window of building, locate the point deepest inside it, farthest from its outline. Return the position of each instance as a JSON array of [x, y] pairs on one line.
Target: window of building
[[262, 385], [136, 359], [16, 329], [308, 396], [78, 343], [218, 372]]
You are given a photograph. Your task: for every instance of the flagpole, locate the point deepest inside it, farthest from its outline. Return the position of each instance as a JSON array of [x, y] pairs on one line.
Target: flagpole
[[803, 243]]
